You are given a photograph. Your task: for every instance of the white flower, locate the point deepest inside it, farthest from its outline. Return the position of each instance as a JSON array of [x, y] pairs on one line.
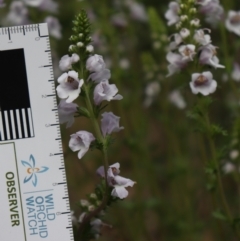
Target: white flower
[[96, 225], [172, 13], [124, 63], [202, 38], [177, 40], [119, 20], [176, 98], [187, 51], [18, 13], [81, 141], [176, 63], [208, 56], [151, 91], [81, 217], [100, 76], [236, 72], [214, 12], [66, 62], [66, 112], [203, 83], [95, 63], [118, 183], [74, 219], [234, 154], [110, 123], [105, 91], [54, 27], [70, 86], [33, 3], [184, 33], [203, 2], [233, 22], [137, 11], [48, 5], [228, 168]]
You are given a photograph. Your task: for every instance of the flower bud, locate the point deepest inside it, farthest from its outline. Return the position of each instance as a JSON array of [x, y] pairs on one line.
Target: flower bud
[[89, 48], [80, 44], [84, 203], [193, 10], [91, 208], [183, 18], [184, 33], [195, 22]]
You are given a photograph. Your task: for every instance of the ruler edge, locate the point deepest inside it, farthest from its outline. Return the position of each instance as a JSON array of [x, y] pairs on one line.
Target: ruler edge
[[31, 28]]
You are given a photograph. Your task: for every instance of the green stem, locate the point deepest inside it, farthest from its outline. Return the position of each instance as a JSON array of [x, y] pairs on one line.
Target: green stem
[[94, 121], [225, 49], [219, 178]]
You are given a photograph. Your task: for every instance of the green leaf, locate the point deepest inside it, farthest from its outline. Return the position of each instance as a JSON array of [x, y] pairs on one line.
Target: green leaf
[[218, 130], [82, 111], [219, 215]]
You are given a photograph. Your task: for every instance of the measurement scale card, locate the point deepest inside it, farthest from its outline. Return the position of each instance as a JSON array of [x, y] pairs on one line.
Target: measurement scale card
[[33, 189]]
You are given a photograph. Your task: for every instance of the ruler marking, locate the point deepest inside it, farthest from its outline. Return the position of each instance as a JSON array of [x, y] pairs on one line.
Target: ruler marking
[[19, 124], [1, 127], [27, 122], [7, 126], [13, 124], [55, 124], [4, 125], [30, 121], [9, 36], [24, 122]]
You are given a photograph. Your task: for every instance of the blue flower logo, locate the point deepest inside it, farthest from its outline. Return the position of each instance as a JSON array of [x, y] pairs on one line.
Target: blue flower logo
[[32, 170]]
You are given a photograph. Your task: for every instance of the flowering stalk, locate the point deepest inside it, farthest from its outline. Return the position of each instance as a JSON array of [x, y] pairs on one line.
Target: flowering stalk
[[87, 77], [191, 49]]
